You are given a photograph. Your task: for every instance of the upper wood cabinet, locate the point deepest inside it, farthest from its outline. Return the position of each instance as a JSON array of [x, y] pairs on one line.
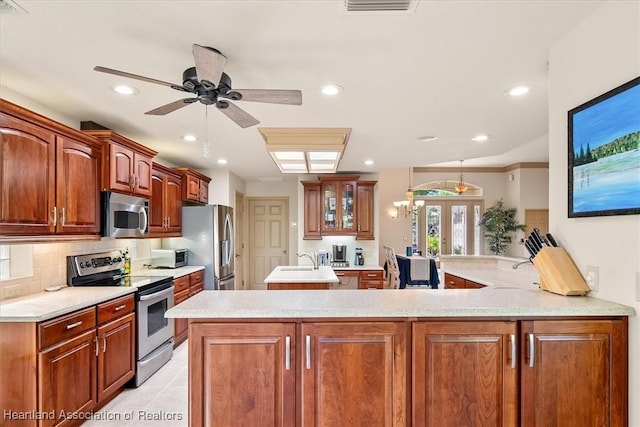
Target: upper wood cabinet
[[312, 209], [339, 205], [53, 173], [165, 205], [195, 186], [127, 164]]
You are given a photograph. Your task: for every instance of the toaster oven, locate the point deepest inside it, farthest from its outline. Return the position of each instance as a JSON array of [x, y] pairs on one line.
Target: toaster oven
[[169, 258]]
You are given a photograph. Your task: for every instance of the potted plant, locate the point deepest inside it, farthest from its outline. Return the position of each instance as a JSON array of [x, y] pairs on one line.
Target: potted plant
[[498, 223]]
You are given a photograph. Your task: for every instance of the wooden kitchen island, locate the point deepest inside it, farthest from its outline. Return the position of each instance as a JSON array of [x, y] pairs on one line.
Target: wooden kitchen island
[[412, 357]]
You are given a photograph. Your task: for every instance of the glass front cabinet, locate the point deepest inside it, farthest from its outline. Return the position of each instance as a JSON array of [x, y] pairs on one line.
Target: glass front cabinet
[[338, 202], [338, 205]]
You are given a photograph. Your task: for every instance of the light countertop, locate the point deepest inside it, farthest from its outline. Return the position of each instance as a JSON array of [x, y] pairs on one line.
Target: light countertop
[[47, 305], [391, 303], [43, 306], [359, 267], [301, 274]]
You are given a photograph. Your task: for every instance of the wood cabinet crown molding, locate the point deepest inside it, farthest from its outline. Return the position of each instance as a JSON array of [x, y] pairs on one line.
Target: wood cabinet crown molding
[[107, 136]]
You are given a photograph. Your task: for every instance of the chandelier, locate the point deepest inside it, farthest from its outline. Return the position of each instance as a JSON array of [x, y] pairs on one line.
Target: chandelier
[[408, 206], [461, 187]]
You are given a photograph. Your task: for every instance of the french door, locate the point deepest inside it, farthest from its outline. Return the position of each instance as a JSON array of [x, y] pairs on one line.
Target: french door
[[449, 227]]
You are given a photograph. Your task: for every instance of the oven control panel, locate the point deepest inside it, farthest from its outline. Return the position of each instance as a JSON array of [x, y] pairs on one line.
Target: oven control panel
[[84, 265]]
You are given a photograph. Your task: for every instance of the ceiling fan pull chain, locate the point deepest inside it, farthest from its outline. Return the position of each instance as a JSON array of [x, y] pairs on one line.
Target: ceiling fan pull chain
[[205, 144]]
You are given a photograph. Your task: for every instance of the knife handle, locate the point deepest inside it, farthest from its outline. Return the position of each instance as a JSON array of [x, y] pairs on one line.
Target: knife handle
[[531, 250], [552, 240]]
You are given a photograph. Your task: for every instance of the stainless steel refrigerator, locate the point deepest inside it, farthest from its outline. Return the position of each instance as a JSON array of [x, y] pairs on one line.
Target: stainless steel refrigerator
[[207, 231]]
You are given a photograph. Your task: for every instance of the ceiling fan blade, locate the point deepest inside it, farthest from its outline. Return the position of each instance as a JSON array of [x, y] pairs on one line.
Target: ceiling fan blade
[[171, 107], [238, 115], [209, 64], [137, 77], [273, 96]]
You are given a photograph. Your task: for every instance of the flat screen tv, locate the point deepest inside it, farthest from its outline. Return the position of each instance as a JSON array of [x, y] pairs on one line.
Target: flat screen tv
[[604, 154]]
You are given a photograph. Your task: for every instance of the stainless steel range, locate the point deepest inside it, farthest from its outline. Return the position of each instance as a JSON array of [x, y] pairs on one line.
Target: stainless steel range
[[154, 296]]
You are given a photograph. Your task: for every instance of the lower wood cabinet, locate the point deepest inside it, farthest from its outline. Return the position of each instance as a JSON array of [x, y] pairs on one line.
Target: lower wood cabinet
[[574, 372], [68, 365], [288, 374], [184, 288], [410, 372], [455, 282], [464, 374]]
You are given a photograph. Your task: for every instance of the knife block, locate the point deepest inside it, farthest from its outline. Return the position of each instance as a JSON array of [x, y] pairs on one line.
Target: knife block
[[558, 274]]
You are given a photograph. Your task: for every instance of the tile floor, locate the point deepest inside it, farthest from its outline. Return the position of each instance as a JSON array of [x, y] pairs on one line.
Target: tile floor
[[161, 401]]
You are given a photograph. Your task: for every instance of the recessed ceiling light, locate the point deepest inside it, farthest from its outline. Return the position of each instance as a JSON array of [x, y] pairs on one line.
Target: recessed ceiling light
[[518, 90], [189, 138], [222, 161], [427, 138], [368, 162], [480, 138], [331, 89], [126, 90]]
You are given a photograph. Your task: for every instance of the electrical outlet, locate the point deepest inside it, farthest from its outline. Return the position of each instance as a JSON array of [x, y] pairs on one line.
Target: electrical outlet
[[592, 277]]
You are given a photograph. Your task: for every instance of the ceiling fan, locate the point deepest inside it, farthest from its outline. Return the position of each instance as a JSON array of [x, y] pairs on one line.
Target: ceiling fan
[[213, 87]]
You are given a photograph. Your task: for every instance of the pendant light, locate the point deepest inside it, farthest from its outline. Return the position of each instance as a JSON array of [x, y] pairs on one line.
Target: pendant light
[[461, 187]]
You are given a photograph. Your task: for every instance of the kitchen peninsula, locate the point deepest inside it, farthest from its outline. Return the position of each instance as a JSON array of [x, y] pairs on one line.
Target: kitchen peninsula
[[299, 277], [306, 357]]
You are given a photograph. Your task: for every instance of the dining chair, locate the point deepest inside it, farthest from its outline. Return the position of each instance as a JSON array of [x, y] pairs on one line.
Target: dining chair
[[393, 272]]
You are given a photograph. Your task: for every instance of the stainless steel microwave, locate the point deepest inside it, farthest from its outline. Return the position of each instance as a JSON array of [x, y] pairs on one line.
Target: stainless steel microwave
[[124, 215]]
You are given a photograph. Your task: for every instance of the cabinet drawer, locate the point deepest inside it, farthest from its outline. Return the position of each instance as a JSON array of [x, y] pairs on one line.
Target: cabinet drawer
[[115, 308], [181, 296], [453, 282], [198, 287], [196, 277], [371, 284], [371, 275], [65, 327], [180, 284]]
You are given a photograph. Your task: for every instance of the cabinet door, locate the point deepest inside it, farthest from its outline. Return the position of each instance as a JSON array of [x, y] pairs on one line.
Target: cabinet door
[[365, 212], [204, 192], [353, 374], [67, 379], [347, 279], [240, 375], [27, 176], [192, 188], [157, 217], [116, 355], [574, 373], [330, 203], [371, 279], [78, 187], [347, 207], [312, 210], [173, 204], [120, 168], [142, 167], [453, 282], [464, 374]]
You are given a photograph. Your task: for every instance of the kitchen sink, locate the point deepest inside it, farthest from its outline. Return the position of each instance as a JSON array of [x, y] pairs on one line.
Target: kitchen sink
[[296, 268]]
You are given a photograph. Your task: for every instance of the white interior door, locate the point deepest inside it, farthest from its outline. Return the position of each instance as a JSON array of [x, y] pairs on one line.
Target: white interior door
[[268, 238]]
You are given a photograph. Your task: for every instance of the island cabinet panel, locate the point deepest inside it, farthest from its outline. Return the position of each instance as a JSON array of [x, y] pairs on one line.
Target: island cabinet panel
[[574, 373], [242, 375], [464, 374], [353, 374]]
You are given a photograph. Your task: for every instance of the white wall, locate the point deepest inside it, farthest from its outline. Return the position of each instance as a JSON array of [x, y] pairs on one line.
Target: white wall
[[600, 54]]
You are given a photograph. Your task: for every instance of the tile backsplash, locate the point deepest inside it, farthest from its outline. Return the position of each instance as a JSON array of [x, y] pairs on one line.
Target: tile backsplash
[[49, 262]]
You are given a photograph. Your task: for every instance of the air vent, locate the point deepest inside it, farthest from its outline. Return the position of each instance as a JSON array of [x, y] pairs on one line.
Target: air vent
[[10, 7], [403, 6]]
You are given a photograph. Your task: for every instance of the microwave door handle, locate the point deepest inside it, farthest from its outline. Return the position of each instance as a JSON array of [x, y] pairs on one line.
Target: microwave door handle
[[143, 215]]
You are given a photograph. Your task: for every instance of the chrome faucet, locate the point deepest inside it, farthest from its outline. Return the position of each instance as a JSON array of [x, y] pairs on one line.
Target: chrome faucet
[[315, 266], [519, 263]]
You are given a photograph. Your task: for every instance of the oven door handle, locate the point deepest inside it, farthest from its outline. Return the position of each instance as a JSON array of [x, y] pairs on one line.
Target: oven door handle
[[168, 291]]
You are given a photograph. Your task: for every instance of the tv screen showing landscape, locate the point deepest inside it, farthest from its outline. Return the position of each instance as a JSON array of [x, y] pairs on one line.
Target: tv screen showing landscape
[[604, 154]]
